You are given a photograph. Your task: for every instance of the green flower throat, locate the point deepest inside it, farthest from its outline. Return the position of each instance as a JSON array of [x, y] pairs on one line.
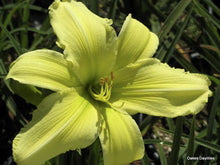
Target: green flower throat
[[102, 91]]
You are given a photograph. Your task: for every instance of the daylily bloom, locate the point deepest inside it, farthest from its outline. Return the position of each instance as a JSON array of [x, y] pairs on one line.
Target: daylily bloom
[[98, 82]]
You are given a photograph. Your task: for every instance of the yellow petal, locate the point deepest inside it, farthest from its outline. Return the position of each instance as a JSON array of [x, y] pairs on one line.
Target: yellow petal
[[88, 40], [156, 89], [120, 138], [63, 121], [135, 42], [43, 68]]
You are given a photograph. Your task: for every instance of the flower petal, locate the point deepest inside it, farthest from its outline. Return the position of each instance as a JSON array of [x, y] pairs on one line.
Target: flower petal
[[135, 42], [120, 138], [63, 121], [88, 40], [43, 68], [156, 89], [30, 93]]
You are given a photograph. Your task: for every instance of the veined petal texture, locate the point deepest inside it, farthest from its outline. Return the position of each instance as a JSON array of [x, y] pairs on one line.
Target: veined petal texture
[[135, 42], [88, 40], [154, 88], [43, 68], [63, 121], [120, 138]]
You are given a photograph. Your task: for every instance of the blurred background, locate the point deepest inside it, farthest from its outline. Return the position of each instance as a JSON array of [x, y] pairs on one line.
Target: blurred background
[[189, 38]]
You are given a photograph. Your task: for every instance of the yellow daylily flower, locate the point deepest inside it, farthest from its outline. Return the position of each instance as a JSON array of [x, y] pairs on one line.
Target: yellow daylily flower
[[98, 82]]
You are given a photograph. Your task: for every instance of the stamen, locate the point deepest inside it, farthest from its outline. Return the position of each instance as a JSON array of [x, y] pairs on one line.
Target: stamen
[[104, 92]]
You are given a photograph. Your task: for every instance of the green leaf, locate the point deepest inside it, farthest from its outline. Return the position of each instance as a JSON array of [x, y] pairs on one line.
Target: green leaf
[[15, 44], [209, 145], [145, 160], [213, 6], [2, 68], [13, 8], [12, 107], [204, 12], [171, 19], [170, 123], [213, 112], [157, 141], [213, 37], [25, 18], [179, 34], [3, 73], [176, 141], [202, 142], [163, 159], [39, 38], [210, 47], [20, 29], [113, 9], [147, 123], [190, 148], [210, 58], [95, 153], [214, 79]]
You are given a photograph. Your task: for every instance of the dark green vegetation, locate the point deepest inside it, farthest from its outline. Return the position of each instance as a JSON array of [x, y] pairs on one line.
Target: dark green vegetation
[[189, 38]]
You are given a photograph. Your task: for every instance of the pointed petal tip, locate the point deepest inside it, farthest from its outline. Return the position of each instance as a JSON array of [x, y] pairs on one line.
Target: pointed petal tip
[[135, 42], [154, 88]]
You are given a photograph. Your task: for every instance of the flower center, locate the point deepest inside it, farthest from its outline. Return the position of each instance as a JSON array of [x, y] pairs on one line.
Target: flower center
[[102, 91]]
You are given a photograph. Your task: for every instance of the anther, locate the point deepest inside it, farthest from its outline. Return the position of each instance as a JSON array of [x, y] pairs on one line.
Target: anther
[[102, 81], [107, 79]]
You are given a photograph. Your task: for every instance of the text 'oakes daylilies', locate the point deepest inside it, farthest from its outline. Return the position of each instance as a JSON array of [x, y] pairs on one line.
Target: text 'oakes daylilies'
[[98, 82]]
